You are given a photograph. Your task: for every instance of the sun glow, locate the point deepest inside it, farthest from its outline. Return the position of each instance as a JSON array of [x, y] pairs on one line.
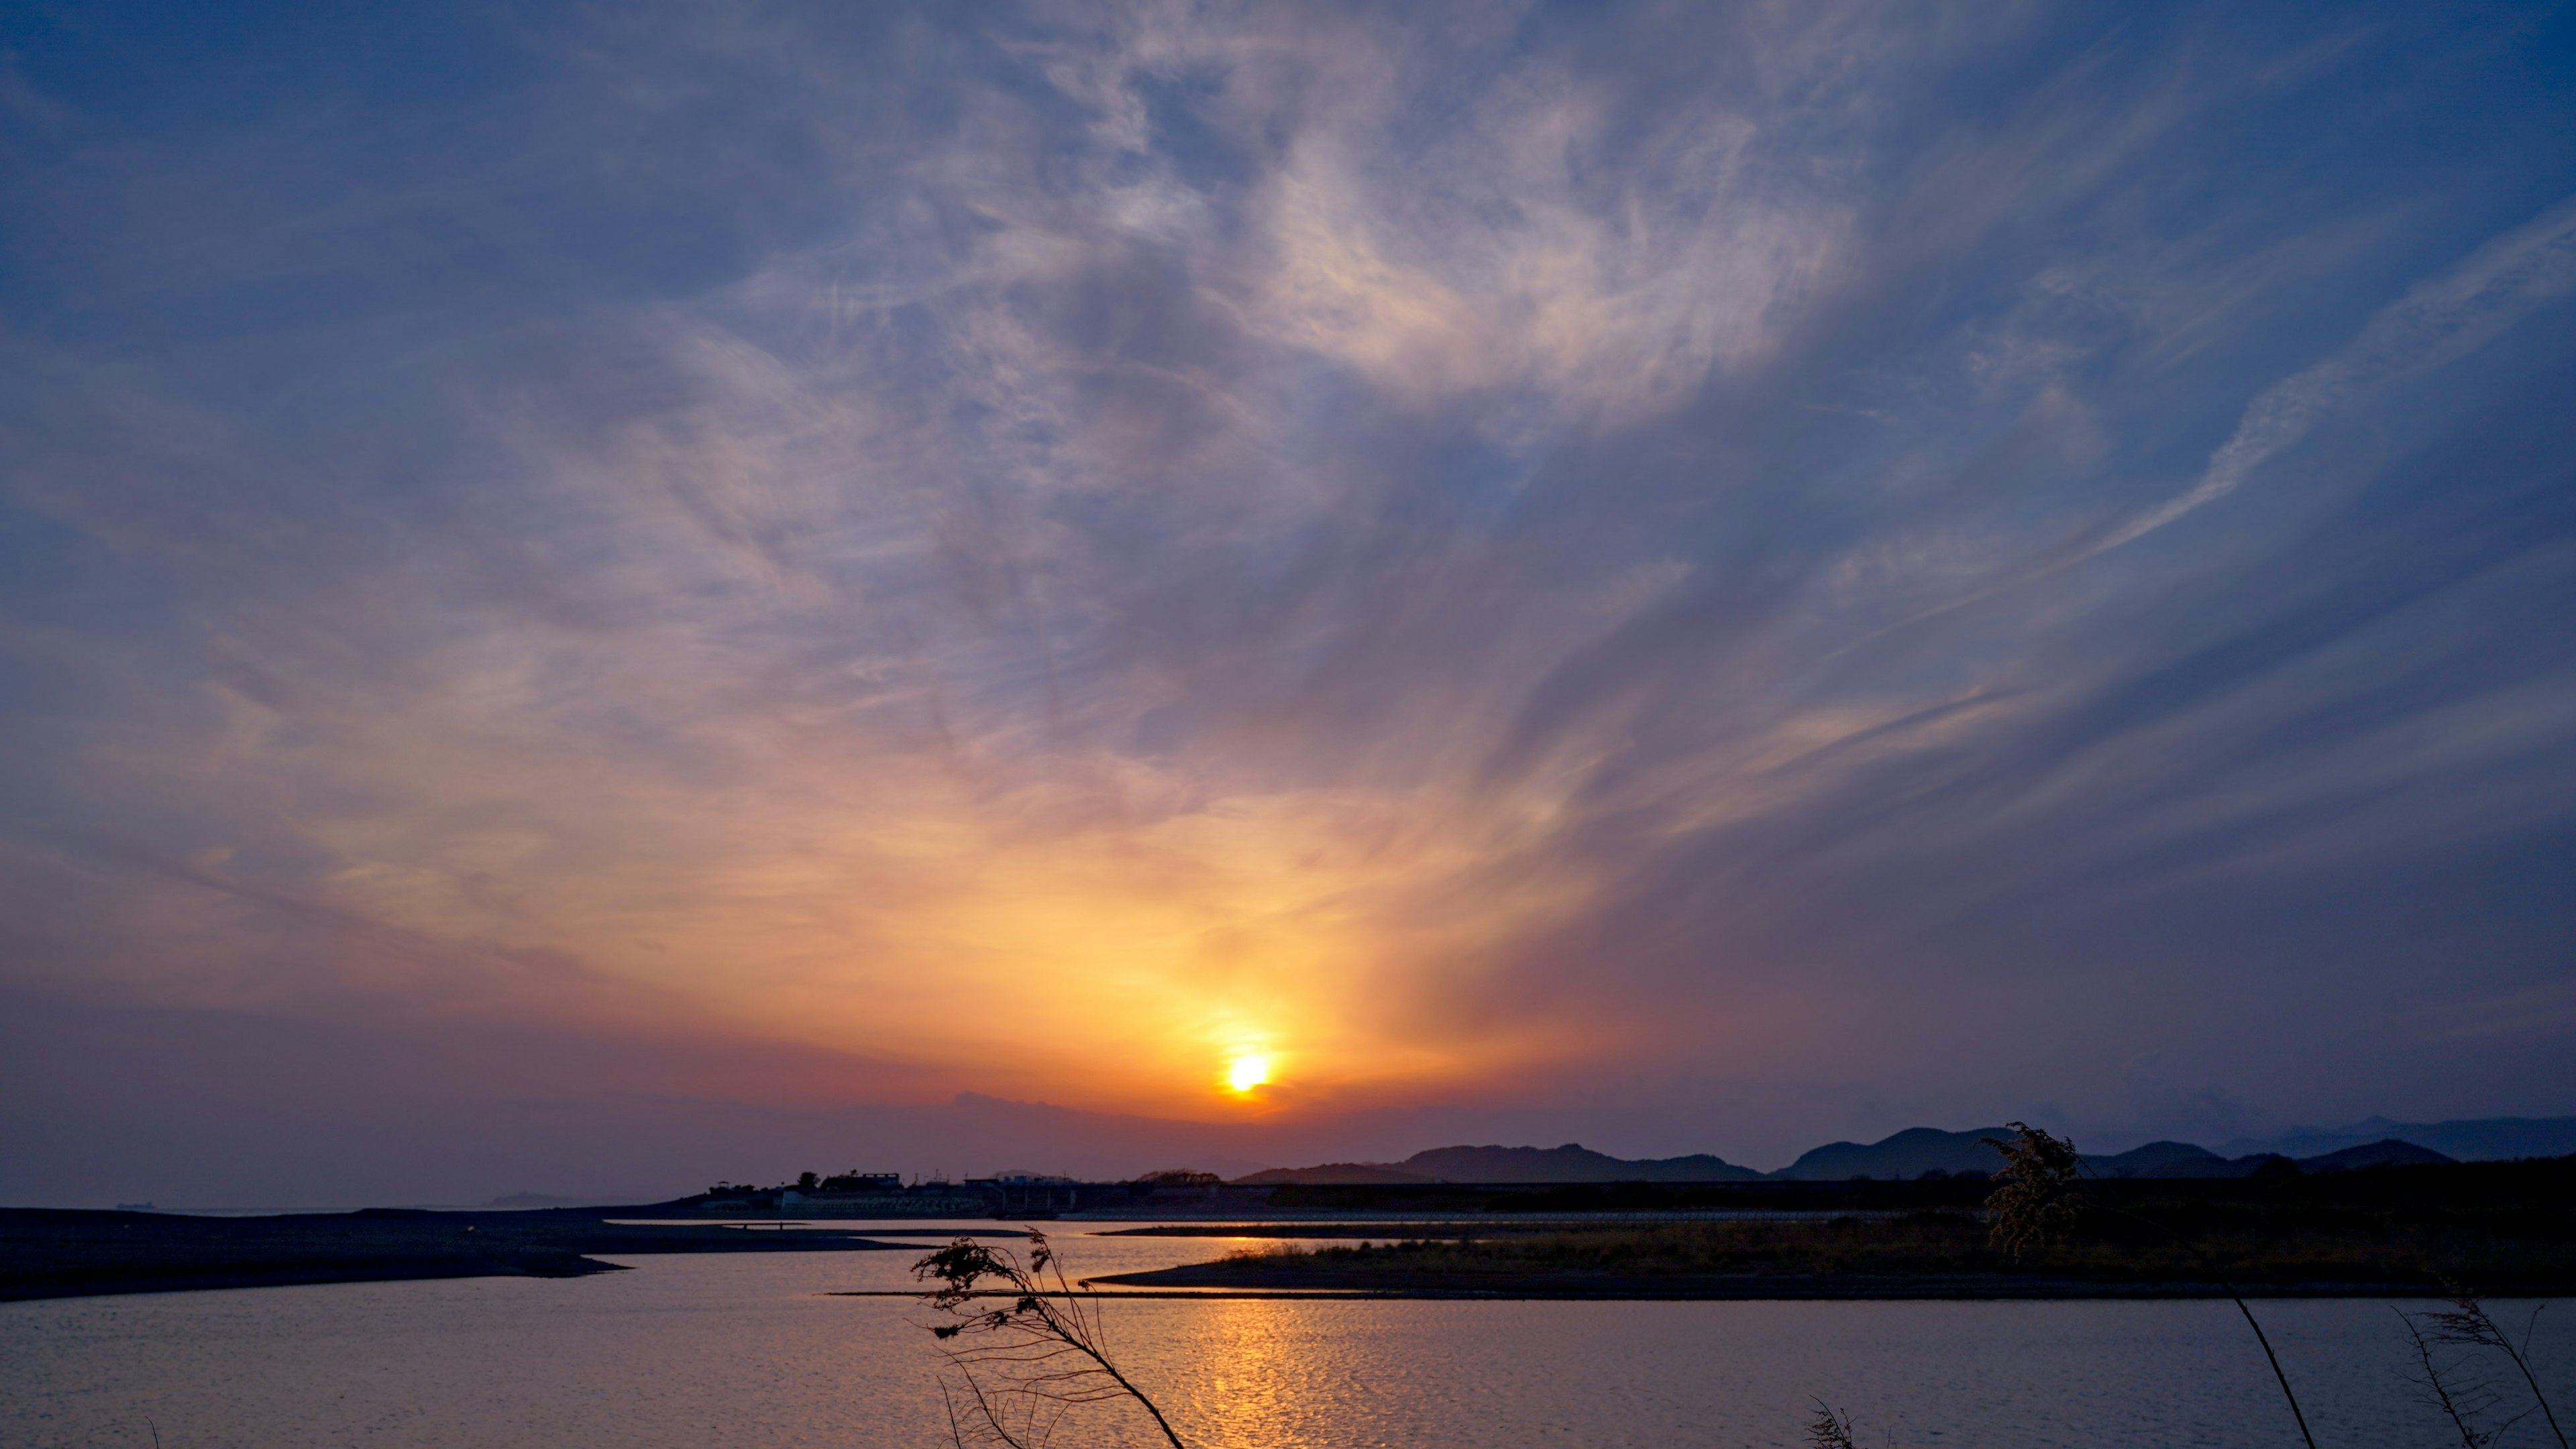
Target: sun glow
[[1247, 1073]]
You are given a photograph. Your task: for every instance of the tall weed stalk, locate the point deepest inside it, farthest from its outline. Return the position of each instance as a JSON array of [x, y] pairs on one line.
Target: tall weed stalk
[[2037, 1197], [2467, 1322]]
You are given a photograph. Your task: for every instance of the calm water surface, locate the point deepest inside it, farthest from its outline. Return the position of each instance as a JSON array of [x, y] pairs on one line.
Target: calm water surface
[[748, 1352]]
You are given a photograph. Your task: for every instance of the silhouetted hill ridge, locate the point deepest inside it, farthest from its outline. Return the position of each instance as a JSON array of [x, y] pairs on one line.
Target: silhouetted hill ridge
[[2155, 1159], [2475, 1139], [1330, 1173], [1918, 1150], [1572, 1162], [1910, 1153]]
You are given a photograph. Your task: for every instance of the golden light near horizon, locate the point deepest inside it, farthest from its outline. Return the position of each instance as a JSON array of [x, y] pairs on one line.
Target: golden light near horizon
[[1248, 1072]]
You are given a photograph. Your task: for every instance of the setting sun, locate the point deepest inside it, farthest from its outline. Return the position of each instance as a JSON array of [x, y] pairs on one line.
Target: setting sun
[[1248, 1073]]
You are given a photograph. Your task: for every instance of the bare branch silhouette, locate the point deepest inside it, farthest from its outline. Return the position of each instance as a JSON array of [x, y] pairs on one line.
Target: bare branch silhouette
[[1043, 1351]]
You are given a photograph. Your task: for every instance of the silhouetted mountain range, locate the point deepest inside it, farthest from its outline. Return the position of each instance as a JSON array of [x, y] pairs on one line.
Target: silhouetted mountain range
[[2182, 1159], [2479, 1139], [1337, 1172], [1920, 1150], [1570, 1163], [1910, 1153]]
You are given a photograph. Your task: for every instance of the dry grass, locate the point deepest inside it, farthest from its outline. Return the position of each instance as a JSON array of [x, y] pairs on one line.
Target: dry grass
[[1920, 1242], [2248, 1246]]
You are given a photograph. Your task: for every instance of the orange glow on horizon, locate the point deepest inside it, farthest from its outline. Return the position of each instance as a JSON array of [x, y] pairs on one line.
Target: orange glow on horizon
[[1125, 946]]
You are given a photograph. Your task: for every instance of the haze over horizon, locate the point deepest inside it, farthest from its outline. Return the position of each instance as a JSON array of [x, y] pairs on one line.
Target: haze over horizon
[[592, 599]]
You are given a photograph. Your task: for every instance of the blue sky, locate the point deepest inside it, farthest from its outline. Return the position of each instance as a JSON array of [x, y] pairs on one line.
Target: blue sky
[[1700, 577]]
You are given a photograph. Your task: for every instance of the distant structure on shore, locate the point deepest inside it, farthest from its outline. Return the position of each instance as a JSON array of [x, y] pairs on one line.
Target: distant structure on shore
[[856, 1194]]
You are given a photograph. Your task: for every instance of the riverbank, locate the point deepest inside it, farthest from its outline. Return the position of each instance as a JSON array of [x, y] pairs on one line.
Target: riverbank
[[2283, 1252], [1191, 1283], [50, 1253]]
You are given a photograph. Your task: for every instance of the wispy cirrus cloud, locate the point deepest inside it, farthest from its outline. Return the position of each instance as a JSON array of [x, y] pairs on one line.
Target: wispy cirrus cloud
[[2441, 320], [1667, 556]]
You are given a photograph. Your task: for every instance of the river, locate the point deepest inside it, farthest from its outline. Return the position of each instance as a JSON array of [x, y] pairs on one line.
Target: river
[[744, 1351]]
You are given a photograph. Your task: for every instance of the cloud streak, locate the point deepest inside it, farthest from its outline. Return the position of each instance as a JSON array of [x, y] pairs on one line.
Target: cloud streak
[[2440, 321]]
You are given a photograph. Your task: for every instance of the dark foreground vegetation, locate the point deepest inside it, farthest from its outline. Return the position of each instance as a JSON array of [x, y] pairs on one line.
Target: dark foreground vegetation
[[66, 1254], [2502, 1227], [1467, 1199]]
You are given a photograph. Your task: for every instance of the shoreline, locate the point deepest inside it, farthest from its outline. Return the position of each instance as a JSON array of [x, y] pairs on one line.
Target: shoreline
[[48, 1253], [1213, 1279], [1770, 1291]]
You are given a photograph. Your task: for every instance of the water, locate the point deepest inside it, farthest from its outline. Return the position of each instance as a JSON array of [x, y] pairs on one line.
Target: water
[[751, 1352]]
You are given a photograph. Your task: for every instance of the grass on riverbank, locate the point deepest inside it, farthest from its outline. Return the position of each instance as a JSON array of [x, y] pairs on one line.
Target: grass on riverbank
[[2498, 1226], [2290, 1247]]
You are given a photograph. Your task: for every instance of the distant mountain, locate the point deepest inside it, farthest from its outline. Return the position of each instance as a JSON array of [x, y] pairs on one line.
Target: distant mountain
[[1572, 1162], [2212, 1165], [2350, 1159], [2476, 1139], [1569, 1163], [1918, 1150], [2389, 1153], [1330, 1173], [1910, 1153], [2152, 1160]]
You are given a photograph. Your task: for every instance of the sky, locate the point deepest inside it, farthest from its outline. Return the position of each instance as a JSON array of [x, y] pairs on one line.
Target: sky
[[599, 597]]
